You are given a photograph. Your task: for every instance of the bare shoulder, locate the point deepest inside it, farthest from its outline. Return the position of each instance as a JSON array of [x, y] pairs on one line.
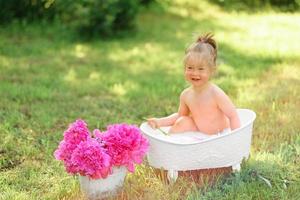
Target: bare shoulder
[[185, 92], [217, 91]]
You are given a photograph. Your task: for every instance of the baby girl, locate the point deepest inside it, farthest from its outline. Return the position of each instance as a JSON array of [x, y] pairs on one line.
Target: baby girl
[[203, 107]]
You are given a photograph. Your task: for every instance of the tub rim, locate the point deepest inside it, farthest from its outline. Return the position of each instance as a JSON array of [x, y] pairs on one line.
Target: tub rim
[[253, 117]]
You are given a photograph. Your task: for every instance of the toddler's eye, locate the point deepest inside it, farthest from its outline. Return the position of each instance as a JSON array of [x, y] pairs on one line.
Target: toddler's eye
[[189, 68]]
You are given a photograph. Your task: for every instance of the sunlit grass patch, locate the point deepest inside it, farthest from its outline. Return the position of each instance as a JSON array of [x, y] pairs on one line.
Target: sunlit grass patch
[[275, 99], [265, 176]]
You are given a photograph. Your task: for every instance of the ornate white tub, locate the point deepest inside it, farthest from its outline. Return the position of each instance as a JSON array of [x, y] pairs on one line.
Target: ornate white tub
[[190, 153]]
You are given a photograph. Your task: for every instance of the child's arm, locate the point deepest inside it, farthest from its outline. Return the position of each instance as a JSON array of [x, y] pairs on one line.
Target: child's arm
[[163, 121], [226, 105], [171, 119]]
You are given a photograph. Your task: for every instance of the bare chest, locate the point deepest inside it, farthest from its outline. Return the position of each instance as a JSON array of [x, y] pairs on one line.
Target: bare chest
[[202, 104]]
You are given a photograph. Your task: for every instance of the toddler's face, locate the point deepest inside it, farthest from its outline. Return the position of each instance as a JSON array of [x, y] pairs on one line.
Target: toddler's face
[[197, 71]]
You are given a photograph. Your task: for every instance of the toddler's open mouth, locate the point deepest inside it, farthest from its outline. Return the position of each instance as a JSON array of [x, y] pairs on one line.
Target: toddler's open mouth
[[195, 79]]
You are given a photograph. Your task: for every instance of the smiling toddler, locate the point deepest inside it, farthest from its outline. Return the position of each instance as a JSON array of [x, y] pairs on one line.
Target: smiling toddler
[[203, 107]]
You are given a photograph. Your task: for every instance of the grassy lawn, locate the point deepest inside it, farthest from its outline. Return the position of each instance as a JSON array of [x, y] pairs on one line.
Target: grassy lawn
[[48, 78]]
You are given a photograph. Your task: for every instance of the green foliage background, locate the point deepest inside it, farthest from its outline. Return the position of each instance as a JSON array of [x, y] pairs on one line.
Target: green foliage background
[[88, 17], [282, 5]]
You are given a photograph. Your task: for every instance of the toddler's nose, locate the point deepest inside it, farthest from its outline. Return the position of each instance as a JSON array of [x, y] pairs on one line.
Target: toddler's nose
[[195, 72]]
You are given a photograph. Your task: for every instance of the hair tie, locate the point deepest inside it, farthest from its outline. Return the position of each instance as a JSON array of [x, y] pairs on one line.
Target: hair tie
[[201, 39]]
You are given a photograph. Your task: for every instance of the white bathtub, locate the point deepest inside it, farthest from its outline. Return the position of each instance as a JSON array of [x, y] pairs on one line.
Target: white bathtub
[[228, 149]]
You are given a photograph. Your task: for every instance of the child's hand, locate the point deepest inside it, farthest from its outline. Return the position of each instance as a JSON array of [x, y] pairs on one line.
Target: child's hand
[[153, 122]]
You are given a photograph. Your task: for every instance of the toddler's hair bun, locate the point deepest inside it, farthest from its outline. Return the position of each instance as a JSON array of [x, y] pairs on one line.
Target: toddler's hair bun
[[204, 44], [207, 38]]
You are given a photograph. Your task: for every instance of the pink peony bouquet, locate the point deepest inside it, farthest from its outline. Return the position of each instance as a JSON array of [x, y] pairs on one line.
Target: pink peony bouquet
[[125, 145], [94, 156]]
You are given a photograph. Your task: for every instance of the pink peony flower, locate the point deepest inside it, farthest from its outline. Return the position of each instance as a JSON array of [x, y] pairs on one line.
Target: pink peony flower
[[97, 133], [91, 159], [120, 145], [125, 144], [76, 133]]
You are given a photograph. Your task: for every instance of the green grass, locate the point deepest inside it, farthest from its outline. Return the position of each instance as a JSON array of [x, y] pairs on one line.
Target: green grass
[[48, 78]]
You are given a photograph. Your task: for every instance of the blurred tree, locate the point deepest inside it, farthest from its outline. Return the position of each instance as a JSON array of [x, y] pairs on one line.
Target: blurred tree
[[90, 17], [25, 9]]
